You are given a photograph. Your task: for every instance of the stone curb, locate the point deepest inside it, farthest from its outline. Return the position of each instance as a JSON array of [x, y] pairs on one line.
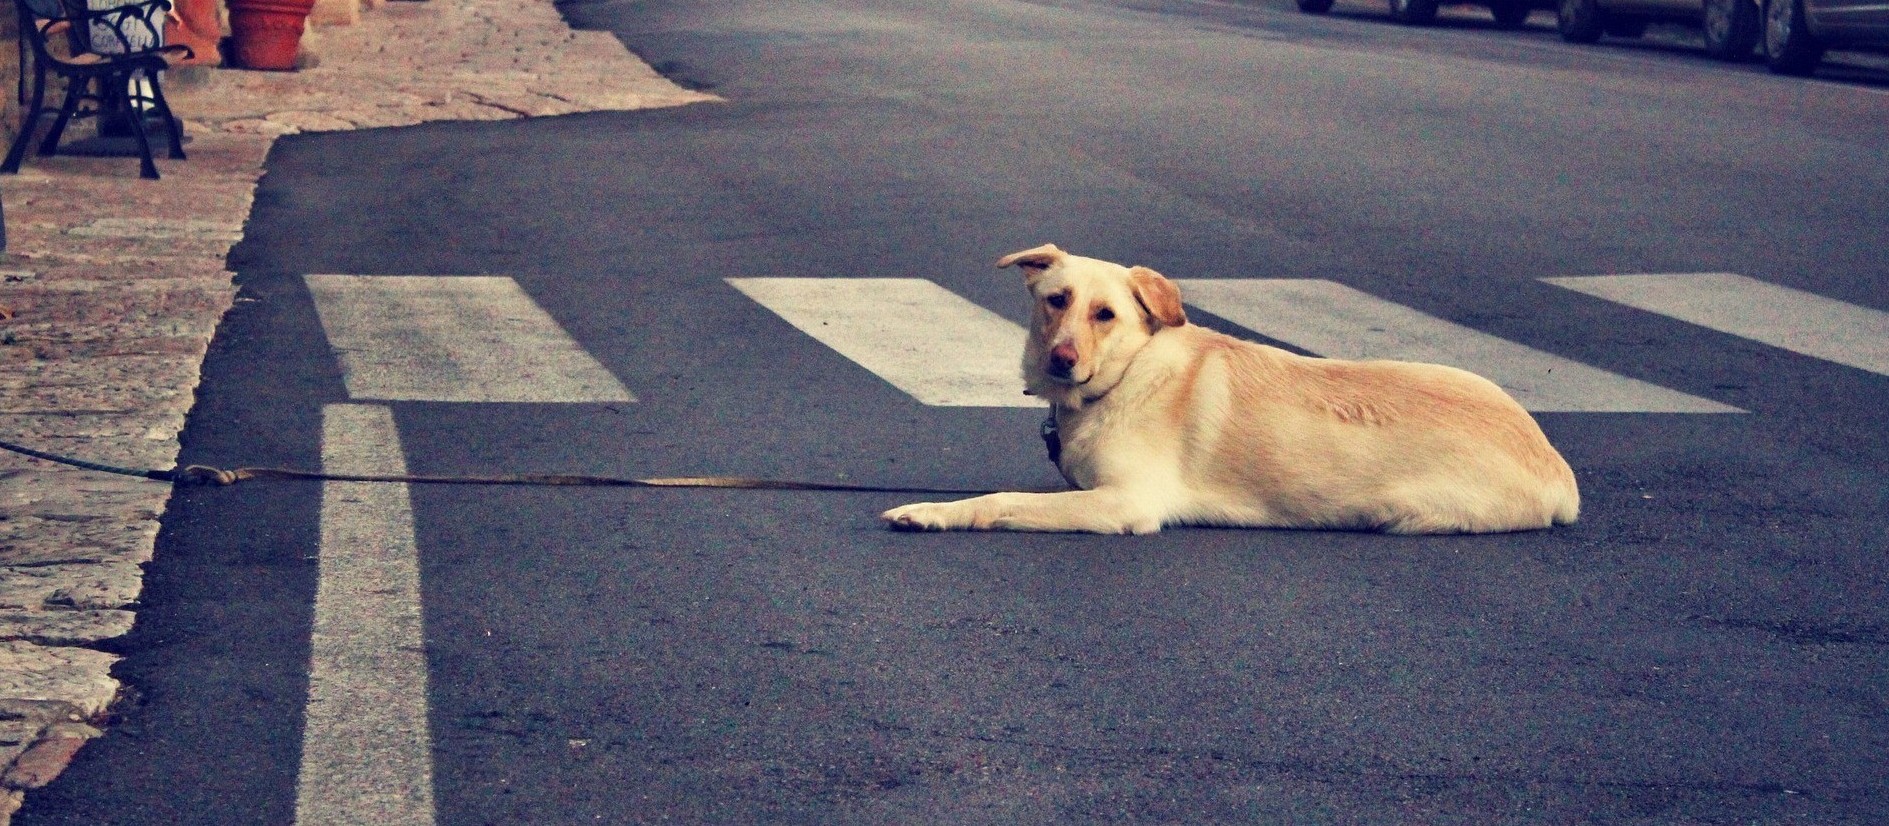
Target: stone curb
[[112, 286]]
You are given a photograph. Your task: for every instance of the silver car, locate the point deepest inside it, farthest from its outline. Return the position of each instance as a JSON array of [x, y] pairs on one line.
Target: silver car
[[1796, 32], [1731, 27]]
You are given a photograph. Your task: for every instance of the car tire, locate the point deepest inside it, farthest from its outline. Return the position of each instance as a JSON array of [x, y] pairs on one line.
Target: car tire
[[1414, 12], [1731, 28], [1789, 47], [1315, 6], [1511, 14], [1580, 21]]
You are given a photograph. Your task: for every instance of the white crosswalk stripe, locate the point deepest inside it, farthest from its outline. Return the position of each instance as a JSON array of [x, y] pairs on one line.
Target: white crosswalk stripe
[[921, 338], [1782, 317], [1336, 321], [366, 744], [944, 350], [482, 339], [453, 339]]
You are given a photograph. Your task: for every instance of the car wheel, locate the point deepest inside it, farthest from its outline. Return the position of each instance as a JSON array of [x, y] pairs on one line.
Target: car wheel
[[1315, 6], [1731, 28], [1789, 47], [1511, 14], [1580, 21], [1414, 12]]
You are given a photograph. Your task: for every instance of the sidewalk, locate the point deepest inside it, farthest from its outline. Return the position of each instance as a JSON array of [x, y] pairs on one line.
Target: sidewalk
[[115, 285]]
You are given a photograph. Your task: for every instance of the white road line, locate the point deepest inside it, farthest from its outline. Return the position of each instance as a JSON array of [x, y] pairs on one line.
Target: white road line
[[453, 339], [1339, 322], [367, 752], [1792, 319], [925, 340]]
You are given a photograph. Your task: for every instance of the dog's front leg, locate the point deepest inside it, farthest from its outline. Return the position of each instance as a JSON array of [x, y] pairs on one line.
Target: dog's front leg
[[1093, 511]]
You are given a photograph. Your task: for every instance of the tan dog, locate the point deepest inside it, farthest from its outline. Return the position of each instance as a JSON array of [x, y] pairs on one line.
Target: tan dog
[[1166, 423]]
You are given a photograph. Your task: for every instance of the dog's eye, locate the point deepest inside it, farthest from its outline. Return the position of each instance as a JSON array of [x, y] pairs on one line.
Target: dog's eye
[[1057, 300], [1105, 314]]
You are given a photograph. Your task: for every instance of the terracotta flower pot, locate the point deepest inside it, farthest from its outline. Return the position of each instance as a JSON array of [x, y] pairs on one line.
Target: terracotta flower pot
[[267, 34], [194, 23]]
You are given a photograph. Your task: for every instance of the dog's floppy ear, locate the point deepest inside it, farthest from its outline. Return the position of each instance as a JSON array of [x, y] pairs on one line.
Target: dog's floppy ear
[[1033, 261], [1158, 296]]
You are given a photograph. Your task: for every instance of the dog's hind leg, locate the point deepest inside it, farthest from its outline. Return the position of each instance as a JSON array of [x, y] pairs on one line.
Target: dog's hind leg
[[1091, 511], [1469, 517]]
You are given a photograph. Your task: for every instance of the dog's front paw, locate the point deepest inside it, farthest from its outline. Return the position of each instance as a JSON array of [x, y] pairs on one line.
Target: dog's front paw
[[923, 516]]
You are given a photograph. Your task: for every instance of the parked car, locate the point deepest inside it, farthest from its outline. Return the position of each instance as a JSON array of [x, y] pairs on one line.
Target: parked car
[[1731, 27], [1797, 32], [1509, 14]]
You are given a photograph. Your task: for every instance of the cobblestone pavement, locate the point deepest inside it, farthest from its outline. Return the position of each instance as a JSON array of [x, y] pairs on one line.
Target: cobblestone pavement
[[111, 287]]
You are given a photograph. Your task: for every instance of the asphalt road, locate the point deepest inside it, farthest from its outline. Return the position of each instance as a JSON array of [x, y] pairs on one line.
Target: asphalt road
[[1709, 644]]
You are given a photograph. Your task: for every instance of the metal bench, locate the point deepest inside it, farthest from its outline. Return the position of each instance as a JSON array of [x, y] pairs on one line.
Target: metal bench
[[109, 57]]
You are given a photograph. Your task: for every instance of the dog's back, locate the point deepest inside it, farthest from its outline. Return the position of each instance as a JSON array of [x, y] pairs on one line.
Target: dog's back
[[1398, 446]]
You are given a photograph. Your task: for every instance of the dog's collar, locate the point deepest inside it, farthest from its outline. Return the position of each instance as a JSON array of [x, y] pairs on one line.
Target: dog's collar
[[1051, 430], [1053, 439]]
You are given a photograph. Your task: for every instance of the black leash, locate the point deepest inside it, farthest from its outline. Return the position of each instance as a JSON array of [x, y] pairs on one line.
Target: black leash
[[157, 475], [205, 475]]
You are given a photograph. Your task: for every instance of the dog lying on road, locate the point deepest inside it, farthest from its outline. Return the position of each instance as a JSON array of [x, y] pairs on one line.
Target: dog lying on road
[[1166, 423]]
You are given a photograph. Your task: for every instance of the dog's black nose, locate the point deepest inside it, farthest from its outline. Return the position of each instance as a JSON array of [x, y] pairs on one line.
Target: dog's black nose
[[1061, 363]]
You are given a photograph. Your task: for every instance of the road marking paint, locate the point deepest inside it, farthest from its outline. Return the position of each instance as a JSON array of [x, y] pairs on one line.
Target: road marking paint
[[367, 752], [453, 339], [1782, 317], [938, 347], [1339, 322]]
